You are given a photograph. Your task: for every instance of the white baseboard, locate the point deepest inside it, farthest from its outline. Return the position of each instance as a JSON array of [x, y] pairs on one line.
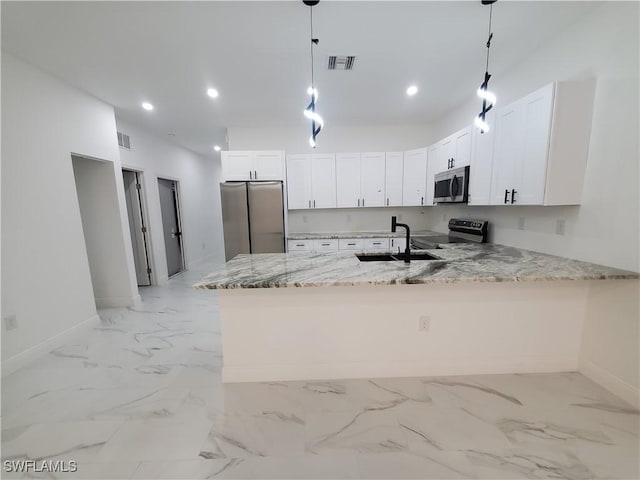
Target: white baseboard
[[22, 359], [433, 368], [614, 384], [113, 302]]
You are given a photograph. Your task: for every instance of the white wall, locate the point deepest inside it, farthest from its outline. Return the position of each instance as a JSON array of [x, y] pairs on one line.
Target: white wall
[[45, 271], [604, 229], [338, 139], [199, 179], [610, 354], [101, 223], [332, 139]]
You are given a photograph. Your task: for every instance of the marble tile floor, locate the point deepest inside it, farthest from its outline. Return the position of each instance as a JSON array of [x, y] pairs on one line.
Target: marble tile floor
[[140, 397]]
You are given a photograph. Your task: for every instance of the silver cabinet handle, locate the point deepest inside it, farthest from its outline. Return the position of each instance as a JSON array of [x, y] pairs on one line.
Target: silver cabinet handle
[[255, 174], [513, 196], [309, 203], [250, 175], [421, 200], [299, 244], [314, 204], [358, 202], [387, 202], [326, 244], [363, 202]]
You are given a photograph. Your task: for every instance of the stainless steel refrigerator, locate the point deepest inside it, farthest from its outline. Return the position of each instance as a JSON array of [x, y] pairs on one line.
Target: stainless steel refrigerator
[[252, 217]]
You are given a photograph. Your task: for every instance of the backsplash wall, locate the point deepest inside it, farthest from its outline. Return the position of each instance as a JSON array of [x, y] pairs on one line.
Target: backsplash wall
[[355, 219]]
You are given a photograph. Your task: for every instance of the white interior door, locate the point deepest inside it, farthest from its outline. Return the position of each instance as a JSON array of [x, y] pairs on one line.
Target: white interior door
[[170, 211], [137, 226]]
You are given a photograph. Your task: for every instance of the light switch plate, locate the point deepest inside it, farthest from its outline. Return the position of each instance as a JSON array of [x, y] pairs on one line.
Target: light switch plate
[[520, 223], [560, 227], [10, 322]]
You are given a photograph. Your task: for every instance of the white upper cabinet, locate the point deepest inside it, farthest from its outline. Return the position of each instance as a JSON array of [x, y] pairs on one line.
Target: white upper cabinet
[[436, 160], [482, 163], [462, 152], [248, 165], [541, 146], [393, 178], [236, 165], [323, 185], [372, 179], [414, 177], [348, 180], [268, 165], [299, 193]]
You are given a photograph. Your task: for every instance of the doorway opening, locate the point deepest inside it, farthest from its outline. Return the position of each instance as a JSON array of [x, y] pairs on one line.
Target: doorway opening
[[138, 225], [104, 236], [171, 225]]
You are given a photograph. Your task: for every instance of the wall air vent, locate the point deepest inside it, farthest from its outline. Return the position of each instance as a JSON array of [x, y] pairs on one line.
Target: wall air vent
[[123, 140], [341, 62]]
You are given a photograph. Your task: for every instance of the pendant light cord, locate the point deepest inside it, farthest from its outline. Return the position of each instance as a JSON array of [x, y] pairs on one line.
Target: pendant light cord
[[490, 36], [312, 42]]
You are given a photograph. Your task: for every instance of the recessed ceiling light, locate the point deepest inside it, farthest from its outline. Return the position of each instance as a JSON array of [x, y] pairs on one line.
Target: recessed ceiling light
[[412, 90], [147, 106], [216, 148], [212, 92]]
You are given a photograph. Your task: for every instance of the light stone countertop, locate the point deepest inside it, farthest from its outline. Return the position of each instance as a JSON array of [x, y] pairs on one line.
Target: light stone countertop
[[367, 234], [456, 263]]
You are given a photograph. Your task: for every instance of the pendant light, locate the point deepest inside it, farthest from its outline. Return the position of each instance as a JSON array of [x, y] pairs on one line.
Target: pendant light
[[310, 112], [488, 98]]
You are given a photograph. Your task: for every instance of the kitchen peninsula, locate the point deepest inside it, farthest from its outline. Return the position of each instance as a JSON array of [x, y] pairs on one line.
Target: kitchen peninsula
[[477, 308]]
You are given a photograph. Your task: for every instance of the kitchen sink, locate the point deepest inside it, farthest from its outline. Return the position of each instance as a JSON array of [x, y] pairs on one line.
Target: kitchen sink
[[398, 257]]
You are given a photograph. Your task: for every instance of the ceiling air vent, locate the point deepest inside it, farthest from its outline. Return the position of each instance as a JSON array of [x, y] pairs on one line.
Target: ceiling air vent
[[341, 62], [123, 140]]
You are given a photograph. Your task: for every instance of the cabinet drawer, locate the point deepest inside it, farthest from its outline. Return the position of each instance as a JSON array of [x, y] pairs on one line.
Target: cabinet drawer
[[325, 245], [376, 244], [300, 245], [351, 244]]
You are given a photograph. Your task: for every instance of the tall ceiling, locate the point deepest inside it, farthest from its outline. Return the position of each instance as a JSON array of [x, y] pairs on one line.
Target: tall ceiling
[[257, 55]]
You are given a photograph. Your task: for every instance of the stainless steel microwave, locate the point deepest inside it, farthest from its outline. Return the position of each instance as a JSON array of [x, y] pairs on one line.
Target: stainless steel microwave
[[452, 186]]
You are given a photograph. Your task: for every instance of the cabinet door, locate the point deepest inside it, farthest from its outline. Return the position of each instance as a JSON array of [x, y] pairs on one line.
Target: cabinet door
[[462, 142], [434, 165], [393, 178], [268, 165], [237, 165], [506, 153], [447, 153], [323, 185], [531, 170], [414, 177], [482, 163], [397, 244], [372, 175], [299, 181], [348, 180]]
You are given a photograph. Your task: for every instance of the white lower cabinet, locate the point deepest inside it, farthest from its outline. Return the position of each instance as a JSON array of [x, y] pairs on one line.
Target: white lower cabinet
[[325, 245], [376, 244], [300, 245], [397, 243], [351, 244]]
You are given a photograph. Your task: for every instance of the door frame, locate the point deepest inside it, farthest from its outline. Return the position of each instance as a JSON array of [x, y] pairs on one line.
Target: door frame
[[146, 221], [177, 195]]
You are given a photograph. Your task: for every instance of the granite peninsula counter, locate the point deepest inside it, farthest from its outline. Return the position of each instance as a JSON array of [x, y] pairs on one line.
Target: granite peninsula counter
[[477, 308], [455, 263]]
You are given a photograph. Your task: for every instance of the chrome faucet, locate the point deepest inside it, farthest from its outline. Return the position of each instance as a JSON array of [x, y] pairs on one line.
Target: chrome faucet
[[407, 250]]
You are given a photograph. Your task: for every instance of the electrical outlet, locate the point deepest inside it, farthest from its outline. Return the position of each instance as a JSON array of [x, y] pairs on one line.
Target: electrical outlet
[[560, 225], [204, 245], [444, 217], [520, 223], [423, 323], [10, 322], [348, 218], [304, 219]]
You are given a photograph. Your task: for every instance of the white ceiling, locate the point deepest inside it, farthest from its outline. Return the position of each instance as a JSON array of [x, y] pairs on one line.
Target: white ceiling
[[257, 55]]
